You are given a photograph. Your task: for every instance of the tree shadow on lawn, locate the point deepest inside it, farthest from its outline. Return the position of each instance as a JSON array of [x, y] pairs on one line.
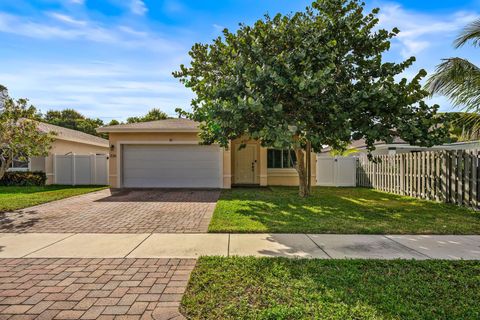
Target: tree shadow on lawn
[[338, 210], [266, 288]]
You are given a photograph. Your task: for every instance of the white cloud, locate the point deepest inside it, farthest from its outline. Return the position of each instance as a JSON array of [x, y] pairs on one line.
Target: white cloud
[[413, 47], [419, 31], [77, 1], [99, 89], [218, 28], [67, 19], [173, 6], [65, 27], [138, 7]]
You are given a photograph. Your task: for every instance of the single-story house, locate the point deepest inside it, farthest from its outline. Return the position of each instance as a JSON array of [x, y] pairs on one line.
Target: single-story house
[[67, 141], [167, 154], [399, 146]]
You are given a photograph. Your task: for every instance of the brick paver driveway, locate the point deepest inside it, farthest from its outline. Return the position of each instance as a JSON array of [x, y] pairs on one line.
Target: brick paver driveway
[[125, 211], [92, 288]]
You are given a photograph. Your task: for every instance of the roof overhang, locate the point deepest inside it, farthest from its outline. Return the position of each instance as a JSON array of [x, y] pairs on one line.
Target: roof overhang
[[139, 130], [98, 144]]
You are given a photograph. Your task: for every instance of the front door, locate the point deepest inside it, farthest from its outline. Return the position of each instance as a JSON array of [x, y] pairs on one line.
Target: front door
[[246, 165]]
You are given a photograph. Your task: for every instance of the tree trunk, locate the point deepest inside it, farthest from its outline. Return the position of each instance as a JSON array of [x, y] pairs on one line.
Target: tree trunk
[[303, 190], [4, 164]]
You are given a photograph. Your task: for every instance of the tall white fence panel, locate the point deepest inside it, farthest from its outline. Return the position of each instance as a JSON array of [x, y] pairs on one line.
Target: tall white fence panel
[[80, 169], [336, 171]]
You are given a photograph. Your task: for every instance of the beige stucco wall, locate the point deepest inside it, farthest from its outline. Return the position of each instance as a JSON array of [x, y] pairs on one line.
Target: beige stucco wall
[[62, 147], [116, 139]]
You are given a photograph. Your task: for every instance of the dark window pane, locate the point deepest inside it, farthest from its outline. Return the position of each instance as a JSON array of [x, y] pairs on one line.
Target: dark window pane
[[270, 158], [16, 163], [285, 158], [278, 158], [289, 159], [274, 158], [293, 159]]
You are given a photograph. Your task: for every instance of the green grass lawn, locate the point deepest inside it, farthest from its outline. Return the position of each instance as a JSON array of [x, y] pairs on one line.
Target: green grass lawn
[[337, 210], [279, 288], [12, 198]]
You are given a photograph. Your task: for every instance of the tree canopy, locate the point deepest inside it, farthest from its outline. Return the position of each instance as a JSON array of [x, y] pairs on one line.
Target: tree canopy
[[315, 76], [72, 119], [152, 115]]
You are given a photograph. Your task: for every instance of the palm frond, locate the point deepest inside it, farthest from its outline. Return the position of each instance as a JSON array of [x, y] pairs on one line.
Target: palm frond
[[470, 33], [458, 80], [469, 123]]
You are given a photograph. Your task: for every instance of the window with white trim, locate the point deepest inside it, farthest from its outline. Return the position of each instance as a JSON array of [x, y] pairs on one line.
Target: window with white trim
[[281, 159], [19, 165]]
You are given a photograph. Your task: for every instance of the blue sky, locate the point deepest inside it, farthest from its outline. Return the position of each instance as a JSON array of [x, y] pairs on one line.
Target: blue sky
[[114, 58]]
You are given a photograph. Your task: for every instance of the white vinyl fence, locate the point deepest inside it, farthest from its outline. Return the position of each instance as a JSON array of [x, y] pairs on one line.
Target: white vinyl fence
[[336, 171], [80, 169]]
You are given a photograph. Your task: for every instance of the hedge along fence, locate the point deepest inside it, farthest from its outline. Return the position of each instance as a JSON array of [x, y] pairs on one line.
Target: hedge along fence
[[23, 178], [446, 176]]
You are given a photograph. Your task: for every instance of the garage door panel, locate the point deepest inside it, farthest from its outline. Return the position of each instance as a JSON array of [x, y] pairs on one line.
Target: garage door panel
[[172, 174], [182, 166], [179, 183], [174, 166]]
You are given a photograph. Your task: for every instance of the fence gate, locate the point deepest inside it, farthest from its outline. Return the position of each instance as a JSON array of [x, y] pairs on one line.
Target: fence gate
[[336, 171], [79, 169]]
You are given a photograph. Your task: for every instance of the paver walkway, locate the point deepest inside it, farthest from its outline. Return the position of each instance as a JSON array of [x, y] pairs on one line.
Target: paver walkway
[[126, 211], [92, 288], [324, 246]]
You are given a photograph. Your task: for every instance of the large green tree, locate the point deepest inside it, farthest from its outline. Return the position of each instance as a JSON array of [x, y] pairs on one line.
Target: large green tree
[[316, 76], [72, 119], [19, 135], [152, 115], [459, 80]]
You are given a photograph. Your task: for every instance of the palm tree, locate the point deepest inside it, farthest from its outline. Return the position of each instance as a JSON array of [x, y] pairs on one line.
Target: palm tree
[[459, 80]]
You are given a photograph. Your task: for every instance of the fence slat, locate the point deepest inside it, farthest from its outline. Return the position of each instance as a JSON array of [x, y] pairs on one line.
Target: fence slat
[[466, 178], [475, 183]]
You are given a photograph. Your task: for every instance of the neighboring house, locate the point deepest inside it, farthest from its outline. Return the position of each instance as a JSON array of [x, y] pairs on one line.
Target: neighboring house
[[166, 153], [67, 141], [400, 146]]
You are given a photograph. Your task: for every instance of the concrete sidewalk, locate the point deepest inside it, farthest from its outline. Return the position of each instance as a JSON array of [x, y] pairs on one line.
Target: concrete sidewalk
[[156, 245]]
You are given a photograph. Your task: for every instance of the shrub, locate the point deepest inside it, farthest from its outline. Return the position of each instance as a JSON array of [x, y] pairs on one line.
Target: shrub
[[23, 178]]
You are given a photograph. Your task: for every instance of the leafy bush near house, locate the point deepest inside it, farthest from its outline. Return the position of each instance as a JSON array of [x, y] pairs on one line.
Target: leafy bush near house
[[28, 178]]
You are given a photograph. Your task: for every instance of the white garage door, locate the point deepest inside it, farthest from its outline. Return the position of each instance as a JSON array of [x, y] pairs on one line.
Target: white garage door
[[172, 166]]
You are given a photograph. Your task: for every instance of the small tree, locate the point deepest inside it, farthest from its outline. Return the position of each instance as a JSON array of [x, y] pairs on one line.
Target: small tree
[[152, 115], [19, 136], [315, 77]]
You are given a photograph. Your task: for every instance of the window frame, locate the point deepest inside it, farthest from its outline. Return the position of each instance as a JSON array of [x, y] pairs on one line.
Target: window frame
[[20, 169], [281, 160]]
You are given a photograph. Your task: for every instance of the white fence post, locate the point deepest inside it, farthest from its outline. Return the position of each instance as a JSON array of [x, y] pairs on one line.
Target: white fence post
[[74, 173], [54, 163], [93, 170]]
